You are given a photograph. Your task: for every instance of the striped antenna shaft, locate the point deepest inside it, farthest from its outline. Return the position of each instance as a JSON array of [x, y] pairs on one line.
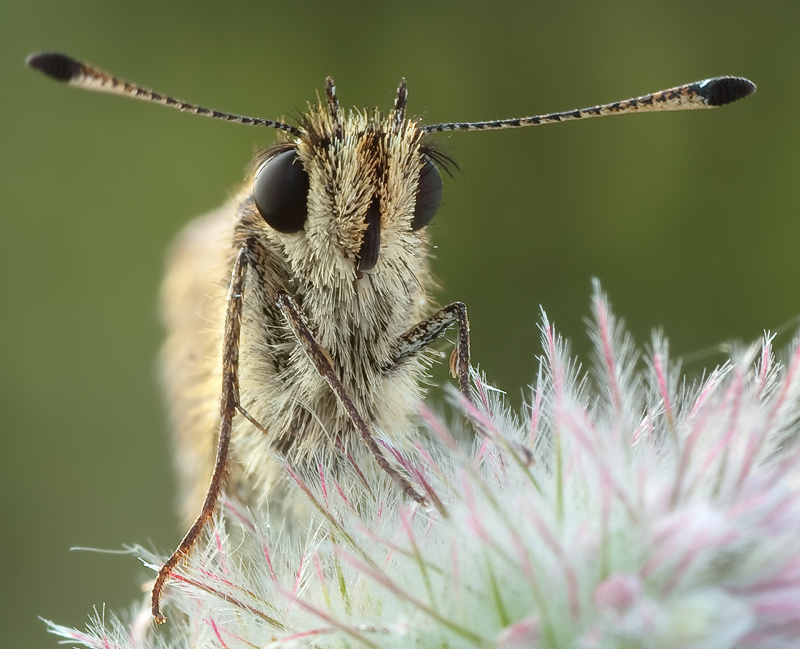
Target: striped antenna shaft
[[708, 93], [67, 70]]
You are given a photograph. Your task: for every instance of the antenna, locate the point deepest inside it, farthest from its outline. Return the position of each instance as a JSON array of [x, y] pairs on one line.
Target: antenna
[[74, 73], [708, 93]]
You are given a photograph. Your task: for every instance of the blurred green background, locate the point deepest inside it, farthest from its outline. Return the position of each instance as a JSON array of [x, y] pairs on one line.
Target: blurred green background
[[688, 219]]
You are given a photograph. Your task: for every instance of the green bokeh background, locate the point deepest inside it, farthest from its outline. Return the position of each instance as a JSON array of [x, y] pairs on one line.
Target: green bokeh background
[[689, 220]]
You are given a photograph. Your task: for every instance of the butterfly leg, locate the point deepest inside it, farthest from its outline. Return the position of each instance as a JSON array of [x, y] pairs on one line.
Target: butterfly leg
[[228, 407], [422, 334]]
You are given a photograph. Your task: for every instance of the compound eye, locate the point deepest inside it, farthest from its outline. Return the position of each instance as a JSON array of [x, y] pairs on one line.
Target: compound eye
[[429, 195], [280, 192]]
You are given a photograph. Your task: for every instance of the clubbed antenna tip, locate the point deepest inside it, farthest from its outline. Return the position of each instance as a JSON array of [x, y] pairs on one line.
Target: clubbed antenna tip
[[724, 90], [56, 66]]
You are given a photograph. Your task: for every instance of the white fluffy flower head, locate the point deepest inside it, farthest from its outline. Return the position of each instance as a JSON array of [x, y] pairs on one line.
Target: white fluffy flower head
[[625, 509]]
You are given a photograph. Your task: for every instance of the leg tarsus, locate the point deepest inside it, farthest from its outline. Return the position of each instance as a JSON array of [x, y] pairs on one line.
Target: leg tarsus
[[422, 334]]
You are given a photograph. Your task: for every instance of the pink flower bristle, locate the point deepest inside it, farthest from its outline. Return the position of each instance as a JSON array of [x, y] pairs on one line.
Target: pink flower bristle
[[475, 519], [437, 427], [298, 576], [483, 396], [357, 469], [221, 551], [268, 559], [295, 476], [765, 363], [341, 493], [536, 407], [395, 453], [666, 400], [605, 335], [218, 633], [427, 461], [322, 483]]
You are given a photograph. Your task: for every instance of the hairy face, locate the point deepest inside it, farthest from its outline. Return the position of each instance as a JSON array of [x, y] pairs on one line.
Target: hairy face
[[351, 195]]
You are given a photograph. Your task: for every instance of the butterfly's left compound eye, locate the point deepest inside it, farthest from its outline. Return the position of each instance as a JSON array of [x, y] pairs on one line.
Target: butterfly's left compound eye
[[280, 192]]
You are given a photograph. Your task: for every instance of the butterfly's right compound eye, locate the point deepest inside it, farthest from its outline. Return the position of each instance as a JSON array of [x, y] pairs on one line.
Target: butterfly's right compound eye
[[429, 195], [280, 192]]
